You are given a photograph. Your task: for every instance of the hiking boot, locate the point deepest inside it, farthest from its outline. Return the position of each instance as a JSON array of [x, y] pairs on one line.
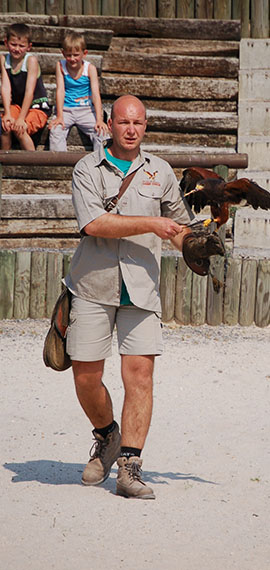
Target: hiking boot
[[103, 454], [129, 483]]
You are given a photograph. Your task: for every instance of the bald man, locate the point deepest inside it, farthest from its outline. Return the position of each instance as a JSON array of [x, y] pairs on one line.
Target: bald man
[[114, 280]]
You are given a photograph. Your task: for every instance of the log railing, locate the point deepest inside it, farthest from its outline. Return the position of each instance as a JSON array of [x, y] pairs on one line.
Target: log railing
[[30, 282]]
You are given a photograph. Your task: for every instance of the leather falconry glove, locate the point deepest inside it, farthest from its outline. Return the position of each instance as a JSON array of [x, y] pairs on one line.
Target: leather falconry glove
[[198, 248]]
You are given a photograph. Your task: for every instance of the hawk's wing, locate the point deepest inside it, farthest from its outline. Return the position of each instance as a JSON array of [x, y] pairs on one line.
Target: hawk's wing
[[245, 189], [191, 176]]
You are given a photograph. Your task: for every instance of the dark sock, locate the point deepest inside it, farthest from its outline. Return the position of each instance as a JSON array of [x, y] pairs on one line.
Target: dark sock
[[106, 430], [130, 452]]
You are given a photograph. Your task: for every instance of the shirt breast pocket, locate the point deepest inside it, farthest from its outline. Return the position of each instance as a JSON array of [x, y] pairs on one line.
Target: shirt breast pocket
[[150, 199]]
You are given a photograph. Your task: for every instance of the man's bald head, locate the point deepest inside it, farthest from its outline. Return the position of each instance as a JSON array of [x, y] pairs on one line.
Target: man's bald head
[[125, 101]]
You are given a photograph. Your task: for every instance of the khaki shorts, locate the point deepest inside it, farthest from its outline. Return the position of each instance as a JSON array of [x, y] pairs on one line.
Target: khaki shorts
[[89, 334]]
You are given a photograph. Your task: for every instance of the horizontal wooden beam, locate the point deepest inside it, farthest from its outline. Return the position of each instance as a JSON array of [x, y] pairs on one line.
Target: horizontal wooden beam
[[174, 46], [54, 35], [48, 61], [36, 206], [158, 27], [177, 160], [30, 227], [170, 87], [177, 65]]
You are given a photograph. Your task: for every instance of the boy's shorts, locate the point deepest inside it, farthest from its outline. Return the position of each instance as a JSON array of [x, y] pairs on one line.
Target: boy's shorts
[[89, 334], [35, 118]]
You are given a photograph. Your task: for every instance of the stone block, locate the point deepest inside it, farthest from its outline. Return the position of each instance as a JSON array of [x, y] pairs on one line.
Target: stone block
[[258, 150], [254, 118], [254, 84], [254, 53], [252, 233]]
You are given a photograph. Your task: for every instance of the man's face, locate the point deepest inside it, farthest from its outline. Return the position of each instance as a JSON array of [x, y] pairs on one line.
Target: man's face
[[17, 47], [127, 128]]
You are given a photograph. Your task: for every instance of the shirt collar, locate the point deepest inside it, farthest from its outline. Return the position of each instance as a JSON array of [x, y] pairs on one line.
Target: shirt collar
[[139, 160]]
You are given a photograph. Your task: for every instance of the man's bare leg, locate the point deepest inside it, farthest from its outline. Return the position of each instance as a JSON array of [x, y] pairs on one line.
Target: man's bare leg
[[137, 374], [96, 402], [92, 394]]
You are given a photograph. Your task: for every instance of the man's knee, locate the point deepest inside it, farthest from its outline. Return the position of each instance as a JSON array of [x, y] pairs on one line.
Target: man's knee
[[87, 374]]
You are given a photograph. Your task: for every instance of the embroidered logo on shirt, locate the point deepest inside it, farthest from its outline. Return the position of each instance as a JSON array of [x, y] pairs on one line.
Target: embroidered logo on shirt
[[151, 178]]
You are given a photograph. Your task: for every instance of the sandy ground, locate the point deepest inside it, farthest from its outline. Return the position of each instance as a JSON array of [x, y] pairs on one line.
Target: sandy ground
[[207, 457]]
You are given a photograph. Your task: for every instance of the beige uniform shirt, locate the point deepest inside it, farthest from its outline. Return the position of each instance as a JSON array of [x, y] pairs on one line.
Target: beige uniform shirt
[[99, 264]]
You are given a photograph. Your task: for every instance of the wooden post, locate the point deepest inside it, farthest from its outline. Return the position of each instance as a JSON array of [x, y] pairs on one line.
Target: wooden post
[[185, 9], [3, 6], [236, 9], [55, 7], [92, 7], [129, 7], [67, 257], [221, 170], [147, 9], [73, 6], [259, 18], [110, 8], [247, 292], [36, 6], [38, 284], [1, 178], [232, 291], [183, 292], [167, 287], [222, 10], [54, 283], [198, 300], [262, 308], [7, 265], [245, 28], [17, 6], [215, 299], [166, 8], [22, 285], [205, 9]]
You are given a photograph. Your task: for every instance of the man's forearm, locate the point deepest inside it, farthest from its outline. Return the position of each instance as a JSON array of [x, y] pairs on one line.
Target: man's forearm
[[115, 226]]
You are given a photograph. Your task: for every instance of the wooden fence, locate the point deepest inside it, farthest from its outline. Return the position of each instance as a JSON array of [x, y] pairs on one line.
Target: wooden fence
[[30, 282], [254, 14]]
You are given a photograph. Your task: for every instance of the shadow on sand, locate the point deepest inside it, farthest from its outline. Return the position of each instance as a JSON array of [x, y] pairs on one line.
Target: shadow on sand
[[59, 473]]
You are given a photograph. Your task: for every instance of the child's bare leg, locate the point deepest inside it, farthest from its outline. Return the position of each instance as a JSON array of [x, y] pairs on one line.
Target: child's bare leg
[[26, 143], [6, 140]]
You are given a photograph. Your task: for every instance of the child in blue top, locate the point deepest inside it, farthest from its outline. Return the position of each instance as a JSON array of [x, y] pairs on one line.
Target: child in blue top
[[78, 99]]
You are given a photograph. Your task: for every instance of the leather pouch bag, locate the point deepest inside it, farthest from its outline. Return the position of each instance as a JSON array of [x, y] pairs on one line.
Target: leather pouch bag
[[54, 351]]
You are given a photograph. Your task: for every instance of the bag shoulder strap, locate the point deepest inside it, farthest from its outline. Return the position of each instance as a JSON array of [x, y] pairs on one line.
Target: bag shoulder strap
[[126, 182]]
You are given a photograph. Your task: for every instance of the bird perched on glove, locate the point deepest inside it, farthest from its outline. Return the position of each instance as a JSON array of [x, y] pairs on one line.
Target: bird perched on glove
[[201, 187]]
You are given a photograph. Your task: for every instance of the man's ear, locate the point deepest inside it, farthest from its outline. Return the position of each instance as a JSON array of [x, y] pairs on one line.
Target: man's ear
[[109, 124]]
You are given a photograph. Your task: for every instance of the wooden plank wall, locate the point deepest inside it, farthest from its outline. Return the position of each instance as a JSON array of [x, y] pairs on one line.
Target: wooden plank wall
[[30, 282], [254, 14]]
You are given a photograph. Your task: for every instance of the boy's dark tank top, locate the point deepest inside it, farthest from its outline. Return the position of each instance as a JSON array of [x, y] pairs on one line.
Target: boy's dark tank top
[[18, 84]]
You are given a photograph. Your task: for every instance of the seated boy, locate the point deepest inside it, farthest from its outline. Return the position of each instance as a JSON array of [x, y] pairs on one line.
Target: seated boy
[[25, 101], [78, 99]]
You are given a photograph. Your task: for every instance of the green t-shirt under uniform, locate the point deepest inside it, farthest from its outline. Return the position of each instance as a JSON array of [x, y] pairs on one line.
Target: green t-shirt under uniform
[[124, 166]]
